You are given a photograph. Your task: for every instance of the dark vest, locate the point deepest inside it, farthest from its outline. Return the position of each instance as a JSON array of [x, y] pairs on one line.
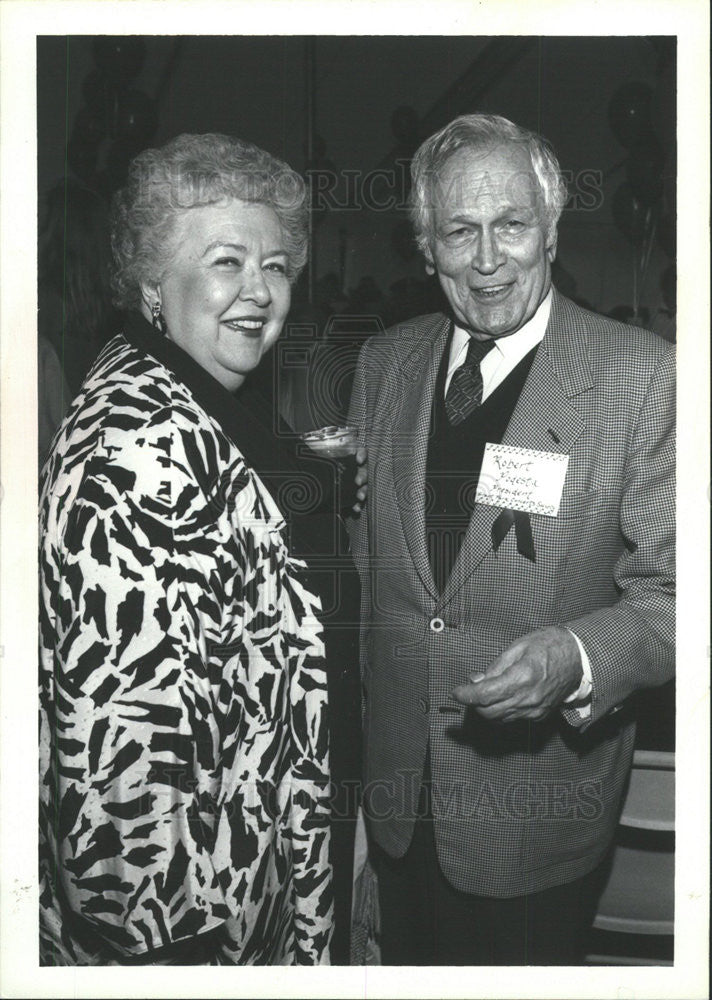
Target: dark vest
[[455, 459]]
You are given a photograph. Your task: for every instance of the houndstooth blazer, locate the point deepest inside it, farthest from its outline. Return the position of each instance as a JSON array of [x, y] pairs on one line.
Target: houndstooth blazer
[[525, 806]]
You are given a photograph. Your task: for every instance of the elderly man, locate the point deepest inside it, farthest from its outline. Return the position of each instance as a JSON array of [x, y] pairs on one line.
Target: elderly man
[[517, 566]]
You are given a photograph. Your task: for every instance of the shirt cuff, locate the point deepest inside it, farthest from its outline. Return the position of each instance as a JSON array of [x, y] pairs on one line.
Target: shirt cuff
[[586, 686]]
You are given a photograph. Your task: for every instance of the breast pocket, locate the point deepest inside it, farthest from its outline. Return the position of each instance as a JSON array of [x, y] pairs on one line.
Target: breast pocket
[[579, 505], [578, 516]]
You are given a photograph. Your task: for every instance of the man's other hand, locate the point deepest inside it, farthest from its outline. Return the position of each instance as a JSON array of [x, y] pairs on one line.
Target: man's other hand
[[530, 679]]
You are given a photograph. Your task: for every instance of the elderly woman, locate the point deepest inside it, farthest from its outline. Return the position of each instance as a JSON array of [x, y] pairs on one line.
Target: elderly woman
[[184, 748]]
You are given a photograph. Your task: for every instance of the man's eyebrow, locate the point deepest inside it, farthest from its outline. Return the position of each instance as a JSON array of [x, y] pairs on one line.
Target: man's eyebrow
[[505, 209]]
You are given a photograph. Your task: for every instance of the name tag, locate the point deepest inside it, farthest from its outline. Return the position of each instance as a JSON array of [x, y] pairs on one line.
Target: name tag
[[522, 479]]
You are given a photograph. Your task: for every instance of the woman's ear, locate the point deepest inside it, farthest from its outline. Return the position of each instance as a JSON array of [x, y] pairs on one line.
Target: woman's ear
[[150, 295]]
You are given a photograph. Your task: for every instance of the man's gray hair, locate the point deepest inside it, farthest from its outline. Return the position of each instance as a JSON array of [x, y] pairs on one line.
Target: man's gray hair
[[480, 131]]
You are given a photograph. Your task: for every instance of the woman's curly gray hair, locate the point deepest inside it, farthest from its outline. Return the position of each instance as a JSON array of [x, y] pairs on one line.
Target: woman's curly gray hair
[[479, 131], [190, 171]]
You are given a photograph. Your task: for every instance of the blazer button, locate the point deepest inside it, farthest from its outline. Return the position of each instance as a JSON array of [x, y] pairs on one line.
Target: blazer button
[[437, 624], [424, 705]]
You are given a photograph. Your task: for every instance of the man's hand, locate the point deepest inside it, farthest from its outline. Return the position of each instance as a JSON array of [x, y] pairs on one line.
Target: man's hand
[[530, 679], [361, 479]]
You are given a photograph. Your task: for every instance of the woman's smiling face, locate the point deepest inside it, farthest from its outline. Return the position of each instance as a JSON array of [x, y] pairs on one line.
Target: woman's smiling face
[[225, 295]]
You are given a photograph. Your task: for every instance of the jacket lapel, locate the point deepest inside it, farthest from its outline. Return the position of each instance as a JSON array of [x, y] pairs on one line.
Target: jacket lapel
[[410, 445], [544, 419]]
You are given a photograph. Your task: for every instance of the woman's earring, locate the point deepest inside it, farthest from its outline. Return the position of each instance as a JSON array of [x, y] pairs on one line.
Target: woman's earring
[[159, 321]]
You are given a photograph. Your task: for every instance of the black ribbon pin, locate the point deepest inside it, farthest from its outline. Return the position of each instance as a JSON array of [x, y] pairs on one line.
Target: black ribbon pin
[[523, 530]]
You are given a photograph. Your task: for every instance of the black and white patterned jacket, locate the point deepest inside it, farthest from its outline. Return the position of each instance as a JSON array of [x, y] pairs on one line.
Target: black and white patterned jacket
[[183, 736]]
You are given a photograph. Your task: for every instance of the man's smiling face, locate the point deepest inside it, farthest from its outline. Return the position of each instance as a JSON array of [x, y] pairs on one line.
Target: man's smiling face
[[492, 246]]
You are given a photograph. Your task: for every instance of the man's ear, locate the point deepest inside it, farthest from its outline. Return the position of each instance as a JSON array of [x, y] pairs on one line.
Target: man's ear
[[551, 244]]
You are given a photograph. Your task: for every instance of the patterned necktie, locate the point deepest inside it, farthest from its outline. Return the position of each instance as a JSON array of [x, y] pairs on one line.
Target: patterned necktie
[[465, 391]]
